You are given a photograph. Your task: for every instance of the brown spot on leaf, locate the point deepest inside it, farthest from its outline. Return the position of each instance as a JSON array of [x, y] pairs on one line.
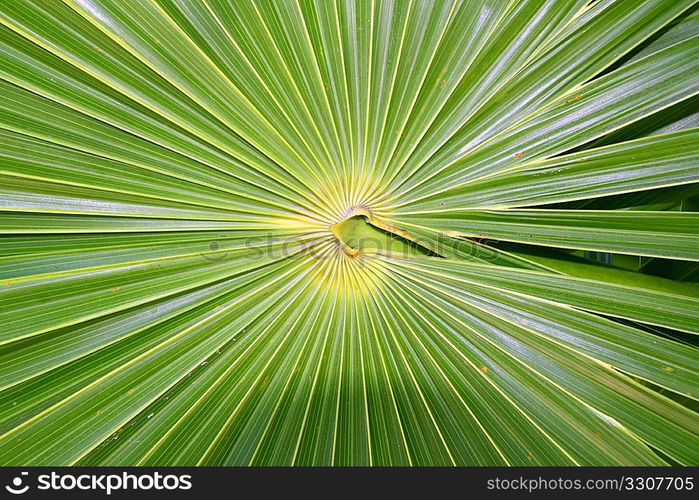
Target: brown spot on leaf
[[441, 85], [598, 435], [115, 289], [668, 369], [484, 369], [576, 98], [264, 383], [517, 156]]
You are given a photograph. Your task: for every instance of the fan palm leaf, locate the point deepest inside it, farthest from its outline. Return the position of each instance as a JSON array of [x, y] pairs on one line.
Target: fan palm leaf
[[353, 232]]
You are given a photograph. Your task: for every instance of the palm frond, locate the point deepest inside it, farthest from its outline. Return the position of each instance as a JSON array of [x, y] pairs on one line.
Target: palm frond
[[350, 232]]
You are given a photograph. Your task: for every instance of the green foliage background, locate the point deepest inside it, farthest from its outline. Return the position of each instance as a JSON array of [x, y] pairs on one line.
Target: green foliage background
[[313, 232]]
